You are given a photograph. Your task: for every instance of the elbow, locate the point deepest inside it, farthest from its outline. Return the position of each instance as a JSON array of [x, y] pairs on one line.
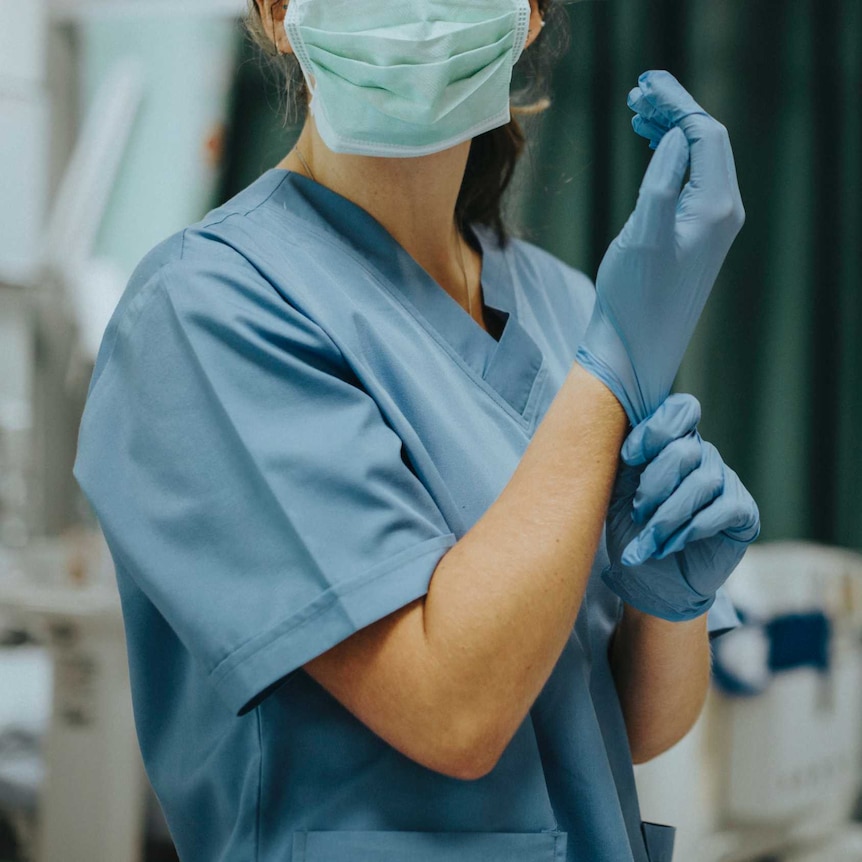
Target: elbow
[[471, 766], [469, 753], [468, 768], [645, 755], [645, 748]]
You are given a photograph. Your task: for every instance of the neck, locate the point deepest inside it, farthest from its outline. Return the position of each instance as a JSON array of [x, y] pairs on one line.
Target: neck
[[413, 198]]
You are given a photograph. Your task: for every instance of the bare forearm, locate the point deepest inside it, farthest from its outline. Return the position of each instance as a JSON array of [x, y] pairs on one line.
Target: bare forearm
[[662, 672], [503, 601], [449, 678]]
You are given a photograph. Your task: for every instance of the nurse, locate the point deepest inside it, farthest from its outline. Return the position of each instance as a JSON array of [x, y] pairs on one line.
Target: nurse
[[416, 553]]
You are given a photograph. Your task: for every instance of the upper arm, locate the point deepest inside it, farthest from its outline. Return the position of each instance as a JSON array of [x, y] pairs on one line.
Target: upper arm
[[258, 497]]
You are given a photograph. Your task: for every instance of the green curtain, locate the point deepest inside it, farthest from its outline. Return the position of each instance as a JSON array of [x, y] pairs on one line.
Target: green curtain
[[776, 360], [258, 135]]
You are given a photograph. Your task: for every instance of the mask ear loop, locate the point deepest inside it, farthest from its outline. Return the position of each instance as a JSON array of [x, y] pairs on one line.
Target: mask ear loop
[[291, 27]]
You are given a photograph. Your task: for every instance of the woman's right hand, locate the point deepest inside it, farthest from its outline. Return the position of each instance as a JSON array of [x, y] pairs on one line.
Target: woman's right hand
[[658, 273]]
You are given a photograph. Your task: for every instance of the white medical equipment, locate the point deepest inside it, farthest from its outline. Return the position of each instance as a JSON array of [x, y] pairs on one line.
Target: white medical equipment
[[777, 772], [91, 804], [60, 279]]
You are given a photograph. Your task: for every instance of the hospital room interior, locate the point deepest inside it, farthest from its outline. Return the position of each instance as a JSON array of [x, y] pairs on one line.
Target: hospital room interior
[[123, 121]]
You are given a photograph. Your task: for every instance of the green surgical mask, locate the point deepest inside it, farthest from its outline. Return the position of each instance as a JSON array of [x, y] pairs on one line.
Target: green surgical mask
[[402, 78]]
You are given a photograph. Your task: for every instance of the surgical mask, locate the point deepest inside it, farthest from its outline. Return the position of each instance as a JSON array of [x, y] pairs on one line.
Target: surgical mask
[[404, 78]]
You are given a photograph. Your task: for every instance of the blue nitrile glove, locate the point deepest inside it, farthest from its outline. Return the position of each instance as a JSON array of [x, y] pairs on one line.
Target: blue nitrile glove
[[658, 273], [679, 520], [658, 106]]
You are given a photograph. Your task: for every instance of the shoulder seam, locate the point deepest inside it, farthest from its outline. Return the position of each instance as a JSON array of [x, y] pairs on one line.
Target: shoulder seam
[[243, 213]]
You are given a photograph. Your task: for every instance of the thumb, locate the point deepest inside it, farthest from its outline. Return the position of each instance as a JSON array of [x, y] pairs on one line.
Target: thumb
[[677, 417]]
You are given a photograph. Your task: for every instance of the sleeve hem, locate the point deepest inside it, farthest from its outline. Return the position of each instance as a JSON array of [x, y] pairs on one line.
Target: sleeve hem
[[723, 616], [330, 619]]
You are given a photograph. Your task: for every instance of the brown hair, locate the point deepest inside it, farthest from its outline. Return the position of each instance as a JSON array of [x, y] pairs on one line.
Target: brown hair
[[493, 155]]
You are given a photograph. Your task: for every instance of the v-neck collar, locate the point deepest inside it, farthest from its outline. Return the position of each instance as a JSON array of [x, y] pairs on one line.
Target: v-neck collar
[[510, 366]]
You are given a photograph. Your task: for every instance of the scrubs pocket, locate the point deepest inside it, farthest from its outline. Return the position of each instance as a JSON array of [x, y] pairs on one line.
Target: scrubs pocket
[[429, 846], [659, 841]]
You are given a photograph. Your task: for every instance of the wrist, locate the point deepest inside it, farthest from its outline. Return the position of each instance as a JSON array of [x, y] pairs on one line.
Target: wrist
[[636, 620], [636, 629], [586, 382], [604, 354]]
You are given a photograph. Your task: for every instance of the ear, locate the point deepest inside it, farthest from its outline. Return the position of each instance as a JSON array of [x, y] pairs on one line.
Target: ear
[[272, 14], [536, 23]]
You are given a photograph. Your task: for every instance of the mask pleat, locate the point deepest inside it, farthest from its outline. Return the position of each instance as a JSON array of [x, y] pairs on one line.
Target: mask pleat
[[419, 100]]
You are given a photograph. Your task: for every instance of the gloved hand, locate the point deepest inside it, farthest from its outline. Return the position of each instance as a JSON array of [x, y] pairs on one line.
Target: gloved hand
[[679, 520], [658, 107], [658, 273]]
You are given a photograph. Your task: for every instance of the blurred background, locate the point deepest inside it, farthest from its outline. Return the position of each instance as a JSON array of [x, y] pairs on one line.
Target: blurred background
[[123, 121]]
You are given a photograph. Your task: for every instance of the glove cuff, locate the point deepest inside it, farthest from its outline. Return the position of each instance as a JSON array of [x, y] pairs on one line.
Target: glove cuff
[[686, 603], [604, 355]]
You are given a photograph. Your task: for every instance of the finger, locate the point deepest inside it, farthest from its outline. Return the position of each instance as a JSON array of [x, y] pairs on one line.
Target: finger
[[655, 213], [677, 416], [663, 99], [747, 526], [736, 518], [712, 193], [653, 132], [663, 476], [634, 98], [694, 493]]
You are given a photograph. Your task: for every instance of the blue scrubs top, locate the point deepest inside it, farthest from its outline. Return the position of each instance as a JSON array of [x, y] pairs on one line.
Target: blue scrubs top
[[288, 425]]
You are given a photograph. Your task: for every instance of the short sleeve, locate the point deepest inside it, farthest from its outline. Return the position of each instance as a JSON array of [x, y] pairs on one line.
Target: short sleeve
[[722, 616], [250, 486]]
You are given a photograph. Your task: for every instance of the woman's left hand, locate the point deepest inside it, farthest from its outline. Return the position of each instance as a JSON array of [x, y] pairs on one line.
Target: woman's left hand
[[679, 520]]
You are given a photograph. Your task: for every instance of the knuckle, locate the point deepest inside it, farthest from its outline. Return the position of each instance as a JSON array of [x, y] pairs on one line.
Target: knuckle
[[684, 403], [715, 131], [714, 484], [710, 131], [722, 210], [694, 453], [743, 516]]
